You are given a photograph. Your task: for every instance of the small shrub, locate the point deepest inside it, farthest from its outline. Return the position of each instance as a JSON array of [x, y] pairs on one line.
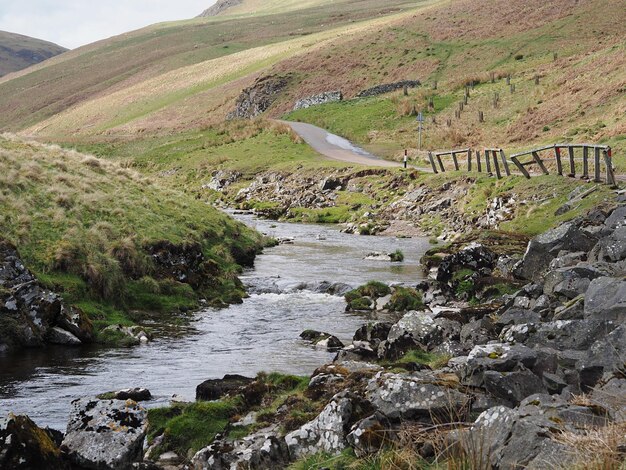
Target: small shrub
[[404, 299], [360, 303], [374, 289], [397, 256]]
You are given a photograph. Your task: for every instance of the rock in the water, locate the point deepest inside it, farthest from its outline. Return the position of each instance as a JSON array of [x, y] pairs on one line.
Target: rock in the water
[[328, 431], [24, 446], [105, 434], [263, 450], [58, 335], [135, 394], [214, 389], [322, 340], [419, 396]]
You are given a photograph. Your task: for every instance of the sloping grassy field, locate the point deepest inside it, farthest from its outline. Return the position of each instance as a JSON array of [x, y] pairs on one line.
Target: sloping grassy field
[[84, 225], [18, 52]]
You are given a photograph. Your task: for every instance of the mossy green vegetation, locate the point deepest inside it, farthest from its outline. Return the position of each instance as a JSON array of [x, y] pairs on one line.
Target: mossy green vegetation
[[404, 299], [86, 226]]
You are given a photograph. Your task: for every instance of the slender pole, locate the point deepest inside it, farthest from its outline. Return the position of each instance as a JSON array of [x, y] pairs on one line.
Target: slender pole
[[405, 158], [419, 143], [586, 163]]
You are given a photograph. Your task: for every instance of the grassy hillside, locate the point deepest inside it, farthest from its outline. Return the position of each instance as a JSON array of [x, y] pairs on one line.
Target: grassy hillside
[[165, 54], [86, 227], [18, 52]]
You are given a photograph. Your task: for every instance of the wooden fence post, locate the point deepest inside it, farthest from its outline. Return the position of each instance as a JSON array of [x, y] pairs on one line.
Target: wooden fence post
[[585, 163], [596, 162], [481, 116], [441, 167], [432, 162], [520, 167], [496, 164], [537, 159], [559, 164], [487, 162], [505, 164], [610, 178], [469, 159], [512, 88], [478, 164], [456, 161], [572, 163]]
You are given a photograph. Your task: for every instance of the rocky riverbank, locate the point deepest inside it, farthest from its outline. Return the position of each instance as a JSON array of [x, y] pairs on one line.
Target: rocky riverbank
[[464, 372]]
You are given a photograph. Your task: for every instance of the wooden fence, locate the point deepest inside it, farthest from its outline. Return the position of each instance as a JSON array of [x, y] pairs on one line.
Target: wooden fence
[[494, 161]]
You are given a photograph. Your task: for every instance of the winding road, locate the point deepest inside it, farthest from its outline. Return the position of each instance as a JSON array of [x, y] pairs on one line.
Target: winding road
[[336, 148]]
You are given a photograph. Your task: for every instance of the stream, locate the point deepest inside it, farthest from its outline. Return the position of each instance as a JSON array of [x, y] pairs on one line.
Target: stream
[[261, 334]]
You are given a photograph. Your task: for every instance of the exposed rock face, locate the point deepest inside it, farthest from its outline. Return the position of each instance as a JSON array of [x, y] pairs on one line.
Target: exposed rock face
[[105, 434], [259, 97], [32, 315], [24, 446], [219, 7], [316, 100], [389, 87]]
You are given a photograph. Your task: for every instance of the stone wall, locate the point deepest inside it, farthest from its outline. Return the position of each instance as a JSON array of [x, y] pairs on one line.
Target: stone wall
[[259, 97], [315, 100], [387, 88]]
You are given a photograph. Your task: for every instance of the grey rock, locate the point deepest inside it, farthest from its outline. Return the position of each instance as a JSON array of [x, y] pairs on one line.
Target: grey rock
[[605, 299], [105, 434], [567, 334], [574, 310], [608, 354], [512, 386], [616, 219], [263, 450], [419, 396], [256, 99], [371, 434], [570, 282], [544, 248], [478, 332], [516, 316], [566, 259], [328, 431], [58, 335]]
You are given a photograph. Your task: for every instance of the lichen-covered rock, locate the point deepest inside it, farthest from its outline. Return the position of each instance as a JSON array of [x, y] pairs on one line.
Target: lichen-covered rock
[[570, 282], [24, 446], [419, 325], [105, 434], [371, 434], [605, 299], [421, 396], [263, 450], [328, 431]]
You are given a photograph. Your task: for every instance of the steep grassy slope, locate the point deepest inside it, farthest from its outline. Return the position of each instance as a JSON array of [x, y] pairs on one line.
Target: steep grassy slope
[[18, 52], [160, 54], [87, 227]]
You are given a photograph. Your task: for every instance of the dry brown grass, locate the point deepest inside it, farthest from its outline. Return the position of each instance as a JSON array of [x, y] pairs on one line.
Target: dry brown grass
[[596, 449]]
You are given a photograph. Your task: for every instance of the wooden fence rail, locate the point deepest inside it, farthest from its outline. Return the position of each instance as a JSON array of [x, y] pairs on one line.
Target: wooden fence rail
[[495, 159]]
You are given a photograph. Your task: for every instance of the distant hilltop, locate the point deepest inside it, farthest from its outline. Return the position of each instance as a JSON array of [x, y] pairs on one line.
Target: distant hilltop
[[18, 52], [219, 7]]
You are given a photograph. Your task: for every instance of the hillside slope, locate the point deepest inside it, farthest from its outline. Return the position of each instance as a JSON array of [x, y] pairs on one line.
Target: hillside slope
[[18, 52], [110, 240]]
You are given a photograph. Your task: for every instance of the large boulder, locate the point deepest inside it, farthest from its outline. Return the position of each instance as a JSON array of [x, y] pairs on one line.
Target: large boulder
[[607, 354], [105, 434], [612, 248], [24, 446], [542, 249], [419, 325], [263, 450], [328, 431], [605, 299], [570, 282], [497, 357], [476, 258], [420, 396]]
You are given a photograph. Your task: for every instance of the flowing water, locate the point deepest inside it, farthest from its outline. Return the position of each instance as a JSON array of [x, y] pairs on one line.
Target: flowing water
[[262, 334]]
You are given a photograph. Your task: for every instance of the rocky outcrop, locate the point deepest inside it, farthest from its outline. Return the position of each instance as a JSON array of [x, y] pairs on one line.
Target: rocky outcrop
[[316, 100], [388, 88], [31, 315], [219, 7], [257, 99], [105, 434]]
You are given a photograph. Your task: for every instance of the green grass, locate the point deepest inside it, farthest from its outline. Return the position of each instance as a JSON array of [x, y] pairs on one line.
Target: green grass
[[84, 226]]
